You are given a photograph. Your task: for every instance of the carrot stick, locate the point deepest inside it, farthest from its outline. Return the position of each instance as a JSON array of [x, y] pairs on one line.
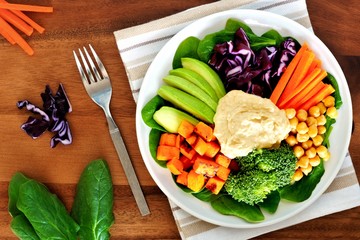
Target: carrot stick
[[16, 21], [315, 64], [284, 79], [323, 93], [28, 20], [16, 36], [303, 96], [7, 36], [309, 81], [24, 7]]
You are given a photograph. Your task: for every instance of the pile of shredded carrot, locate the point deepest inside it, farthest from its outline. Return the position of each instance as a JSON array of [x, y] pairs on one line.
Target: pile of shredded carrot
[[12, 20], [301, 85]]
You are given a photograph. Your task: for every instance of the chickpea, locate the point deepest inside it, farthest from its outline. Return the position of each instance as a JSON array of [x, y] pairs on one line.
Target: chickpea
[[291, 140], [321, 120], [313, 131], [290, 113], [293, 123], [308, 144], [302, 137], [321, 129], [307, 170], [332, 112], [326, 156], [314, 111], [322, 151], [302, 128], [302, 115], [311, 152], [297, 175], [314, 161], [303, 162], [311, 121], [317, 140], [321, 107], [298, 151], [329, 101]]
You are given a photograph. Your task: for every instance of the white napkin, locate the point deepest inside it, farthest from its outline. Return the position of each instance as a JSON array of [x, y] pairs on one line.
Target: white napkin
[[139, 45]]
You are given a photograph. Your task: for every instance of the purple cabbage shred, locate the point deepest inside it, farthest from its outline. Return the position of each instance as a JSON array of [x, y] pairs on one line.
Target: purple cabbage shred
[[51, 117], [243, 69]]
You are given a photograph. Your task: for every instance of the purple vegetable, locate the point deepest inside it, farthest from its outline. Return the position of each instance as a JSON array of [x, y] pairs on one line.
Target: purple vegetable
[[52, 117], [253, 72]]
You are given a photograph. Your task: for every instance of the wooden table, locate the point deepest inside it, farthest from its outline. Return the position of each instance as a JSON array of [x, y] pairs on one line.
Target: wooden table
[[77, 23]]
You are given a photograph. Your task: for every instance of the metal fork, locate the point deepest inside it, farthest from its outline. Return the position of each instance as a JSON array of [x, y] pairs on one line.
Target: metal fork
[[98, 87]]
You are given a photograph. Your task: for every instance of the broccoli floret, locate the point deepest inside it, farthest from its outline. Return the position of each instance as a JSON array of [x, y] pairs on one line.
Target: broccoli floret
[[261, 171]]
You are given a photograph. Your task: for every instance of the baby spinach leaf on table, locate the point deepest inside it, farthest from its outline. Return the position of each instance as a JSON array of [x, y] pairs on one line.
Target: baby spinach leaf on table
[[302, 190], [22, 228], [226, 205], [271, 202], [148, 111], [154, 138], [93, 204], [187, 48], [13, 191], [45, 212]]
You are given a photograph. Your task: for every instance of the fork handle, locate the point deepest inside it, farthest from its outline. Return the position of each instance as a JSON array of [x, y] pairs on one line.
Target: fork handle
[[127, 166]]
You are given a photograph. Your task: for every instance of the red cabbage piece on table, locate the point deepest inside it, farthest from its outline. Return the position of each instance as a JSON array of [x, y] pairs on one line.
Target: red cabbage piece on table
[[255, 72], [52, 116]]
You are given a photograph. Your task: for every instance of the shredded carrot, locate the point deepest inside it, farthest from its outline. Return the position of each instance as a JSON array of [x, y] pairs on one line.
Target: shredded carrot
[[16, 21], [284, 79], [16, 36], [24, 7], [309, 81], [322, 94]]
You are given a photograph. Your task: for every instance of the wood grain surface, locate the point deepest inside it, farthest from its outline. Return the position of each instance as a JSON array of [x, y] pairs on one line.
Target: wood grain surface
[[77, 23]]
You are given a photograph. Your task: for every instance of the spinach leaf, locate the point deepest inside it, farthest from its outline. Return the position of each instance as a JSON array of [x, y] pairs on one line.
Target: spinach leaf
[[332, 80], [187, 48], [274, 35], [206, 195], [271, 202], [154, 138], [45, 212], [13, 191], [22, 228], [226, 205], [233, 25], [328, 125], [301, 190], [149, 109], [93, 204]]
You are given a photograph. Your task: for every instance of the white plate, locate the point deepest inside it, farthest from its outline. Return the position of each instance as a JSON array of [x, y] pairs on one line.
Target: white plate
[[260, 22]]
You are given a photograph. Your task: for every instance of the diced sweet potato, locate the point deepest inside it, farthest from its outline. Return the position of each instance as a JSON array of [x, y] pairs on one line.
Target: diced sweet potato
[[185, 129], [204, 131], [223, 172], [187, 150], [205, 166], [200, 146], [192, 139], [195, 181], [175, 166], [179, 139], [165, 153], [182, 178], [222, 160], [214, 185], [187, 163], [168, 139], [212, 149]]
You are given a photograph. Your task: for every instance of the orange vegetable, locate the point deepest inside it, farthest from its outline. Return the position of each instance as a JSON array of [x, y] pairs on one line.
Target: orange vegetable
[[16, 21], [222, 160], [168, 139], [165, 153], [212, 149], [223, 172], [187, 163], [200, 146], [285, 77], [175, 166], [204, 131], [7, 36], [178, 140], [182, 178], [195, 181], [214, 185], [307, 93], [205, 166], [192, 139], [23, 7], [323, 93], [28, 20], [187, 150], [186, 129]]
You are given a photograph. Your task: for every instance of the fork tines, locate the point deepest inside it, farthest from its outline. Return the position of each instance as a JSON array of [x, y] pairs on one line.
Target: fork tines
[[91, 74]]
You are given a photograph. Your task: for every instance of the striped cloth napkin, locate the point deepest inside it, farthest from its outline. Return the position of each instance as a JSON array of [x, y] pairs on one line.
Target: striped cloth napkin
[[139, 45]]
